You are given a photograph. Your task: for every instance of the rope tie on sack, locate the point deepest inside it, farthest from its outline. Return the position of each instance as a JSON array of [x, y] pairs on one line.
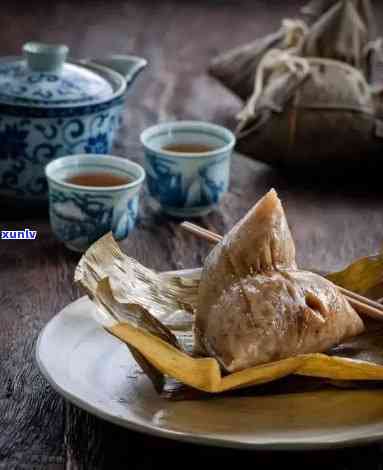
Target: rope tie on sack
[[275, 59], [376, 47], [295, 32]]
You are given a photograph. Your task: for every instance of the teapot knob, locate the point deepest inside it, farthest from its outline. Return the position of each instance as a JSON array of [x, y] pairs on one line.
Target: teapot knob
[[45, 57]]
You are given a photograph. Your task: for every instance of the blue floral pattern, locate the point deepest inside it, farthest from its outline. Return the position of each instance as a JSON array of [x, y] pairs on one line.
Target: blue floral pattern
[[174, 188], [126, 220], [78, 219], [27, 145], [97, 144], [74, 84], [13, 142], [211, 189], [164, 183]]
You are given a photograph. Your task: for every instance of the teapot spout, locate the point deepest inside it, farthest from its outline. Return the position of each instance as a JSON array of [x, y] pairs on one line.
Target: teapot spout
[[127, 65]]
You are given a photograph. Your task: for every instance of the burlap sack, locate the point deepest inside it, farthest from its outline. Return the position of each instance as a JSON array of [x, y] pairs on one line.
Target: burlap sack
[[344, 33], [309, 115], [317, 8], [236, 68]]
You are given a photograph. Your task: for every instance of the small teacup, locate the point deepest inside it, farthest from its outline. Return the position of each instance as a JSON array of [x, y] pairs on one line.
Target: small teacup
[[187, 183], [81, 214]]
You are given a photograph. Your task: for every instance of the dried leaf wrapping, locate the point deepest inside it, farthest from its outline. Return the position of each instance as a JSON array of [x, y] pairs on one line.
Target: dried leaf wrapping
[[278, 77], [237, 67], [340, 34], [295, 107], [361, 276], [304, 100], [316, 8], [151, 313], [343, 30]]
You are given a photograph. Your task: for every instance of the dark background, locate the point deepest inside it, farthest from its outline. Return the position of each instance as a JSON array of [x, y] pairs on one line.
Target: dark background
[[331, 225]]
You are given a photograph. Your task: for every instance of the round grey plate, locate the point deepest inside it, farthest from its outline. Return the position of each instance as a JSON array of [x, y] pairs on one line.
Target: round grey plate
[[96, 372]]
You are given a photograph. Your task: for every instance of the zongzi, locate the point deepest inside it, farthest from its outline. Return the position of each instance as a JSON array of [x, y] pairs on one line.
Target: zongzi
[[301, 108], [308, 85], [260, 309], [316, 8], [236, 68], [340, 34], [255, 306]]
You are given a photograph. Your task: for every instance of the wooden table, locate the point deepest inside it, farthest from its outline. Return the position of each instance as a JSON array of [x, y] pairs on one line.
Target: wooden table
[[332, 224]]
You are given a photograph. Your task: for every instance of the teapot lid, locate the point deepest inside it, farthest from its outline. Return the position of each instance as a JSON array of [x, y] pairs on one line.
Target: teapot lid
[[42, 78]]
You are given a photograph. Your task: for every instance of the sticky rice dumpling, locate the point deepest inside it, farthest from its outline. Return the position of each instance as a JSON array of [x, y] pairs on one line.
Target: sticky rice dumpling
[[340, 34], [255, 306], [302, 105], [236, 68], [316, 8]]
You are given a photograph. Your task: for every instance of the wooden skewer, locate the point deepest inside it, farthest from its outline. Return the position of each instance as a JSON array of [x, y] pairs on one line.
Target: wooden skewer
[[362, 304], [201, 232], [362, 307]]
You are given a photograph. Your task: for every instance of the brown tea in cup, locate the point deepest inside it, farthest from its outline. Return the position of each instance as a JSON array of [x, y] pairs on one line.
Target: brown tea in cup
[[188, 148], [98, 179]]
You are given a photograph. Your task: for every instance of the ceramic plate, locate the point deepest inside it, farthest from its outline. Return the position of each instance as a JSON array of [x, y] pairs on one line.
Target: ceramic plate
[[96, 372]]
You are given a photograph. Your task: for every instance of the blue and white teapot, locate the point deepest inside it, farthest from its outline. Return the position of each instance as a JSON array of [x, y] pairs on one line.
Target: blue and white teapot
[[51, 108]]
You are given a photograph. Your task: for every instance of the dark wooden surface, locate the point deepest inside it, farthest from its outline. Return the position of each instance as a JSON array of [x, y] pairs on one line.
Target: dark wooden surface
[[332, 223]]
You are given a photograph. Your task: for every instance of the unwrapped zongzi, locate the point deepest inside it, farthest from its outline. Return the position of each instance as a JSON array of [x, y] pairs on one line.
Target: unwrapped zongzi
[[256, 307]]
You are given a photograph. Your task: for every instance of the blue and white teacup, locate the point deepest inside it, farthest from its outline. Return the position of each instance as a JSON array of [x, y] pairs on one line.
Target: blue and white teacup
[[187, 184], [80, 215]]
